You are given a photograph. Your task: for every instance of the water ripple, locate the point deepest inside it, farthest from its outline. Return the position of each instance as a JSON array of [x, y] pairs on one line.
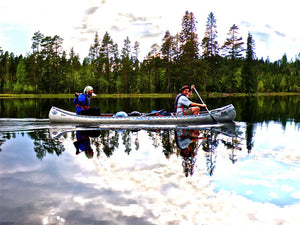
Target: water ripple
[[22, 124]]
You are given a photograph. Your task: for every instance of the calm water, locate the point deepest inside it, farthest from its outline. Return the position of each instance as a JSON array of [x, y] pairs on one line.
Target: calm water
[[242, 173]]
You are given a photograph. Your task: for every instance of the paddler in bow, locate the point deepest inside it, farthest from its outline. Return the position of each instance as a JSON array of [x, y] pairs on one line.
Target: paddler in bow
[[83, 101]]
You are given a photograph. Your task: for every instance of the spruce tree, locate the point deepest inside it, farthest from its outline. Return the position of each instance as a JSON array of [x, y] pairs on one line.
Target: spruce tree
[[249, 79], [210, 46]]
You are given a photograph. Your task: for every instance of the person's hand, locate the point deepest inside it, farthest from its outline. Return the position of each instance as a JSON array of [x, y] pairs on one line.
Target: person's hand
[[76, 94], [192, 87]]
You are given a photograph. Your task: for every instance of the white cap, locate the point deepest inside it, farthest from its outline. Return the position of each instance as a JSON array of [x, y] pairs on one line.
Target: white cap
[[89, 88]]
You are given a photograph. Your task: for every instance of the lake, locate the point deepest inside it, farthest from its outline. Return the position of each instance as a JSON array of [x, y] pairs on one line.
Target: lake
[[247, 172]]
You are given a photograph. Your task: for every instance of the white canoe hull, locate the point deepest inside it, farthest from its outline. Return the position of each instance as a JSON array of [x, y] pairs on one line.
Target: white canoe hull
[[222, 115]]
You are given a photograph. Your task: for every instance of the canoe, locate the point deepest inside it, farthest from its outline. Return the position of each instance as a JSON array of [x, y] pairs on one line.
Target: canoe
[[227, 129], [221, 115]]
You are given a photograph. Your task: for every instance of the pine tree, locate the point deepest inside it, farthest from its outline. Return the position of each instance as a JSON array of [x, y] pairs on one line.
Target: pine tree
[[126, 65], [189, 38], [37, 40], [47, 54], [20, 85], [57, 48], [136, 75], [75, 66], [189, 47], [209, 43], [167, 50], [57, 54], [36, 65], [95, 48], [155, 62], [233, 46], [2, 69], [107, 54], [136, 48]]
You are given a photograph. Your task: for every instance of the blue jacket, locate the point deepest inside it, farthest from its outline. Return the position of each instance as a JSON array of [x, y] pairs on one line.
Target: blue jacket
[[82, 102], [83, 142]]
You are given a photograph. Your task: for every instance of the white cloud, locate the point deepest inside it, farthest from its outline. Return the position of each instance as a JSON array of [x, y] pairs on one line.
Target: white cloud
[[76, 21]]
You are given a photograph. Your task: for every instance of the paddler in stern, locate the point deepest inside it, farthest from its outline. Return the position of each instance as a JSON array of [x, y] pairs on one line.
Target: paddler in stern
[[183, 105]]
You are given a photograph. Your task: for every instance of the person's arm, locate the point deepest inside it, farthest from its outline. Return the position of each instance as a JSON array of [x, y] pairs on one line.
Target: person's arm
[[75, 100], [197, 104], [192, 87], [194, 103]]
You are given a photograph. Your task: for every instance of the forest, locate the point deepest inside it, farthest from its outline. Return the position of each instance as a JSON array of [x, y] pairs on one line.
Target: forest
[[180, 59]]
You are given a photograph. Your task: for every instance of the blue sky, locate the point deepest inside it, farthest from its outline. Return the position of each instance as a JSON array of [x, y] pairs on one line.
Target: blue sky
[[273, 24]]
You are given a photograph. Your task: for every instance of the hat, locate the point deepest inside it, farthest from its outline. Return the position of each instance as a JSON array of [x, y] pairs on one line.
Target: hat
[[185, 87], [89, 88], [89, 152]]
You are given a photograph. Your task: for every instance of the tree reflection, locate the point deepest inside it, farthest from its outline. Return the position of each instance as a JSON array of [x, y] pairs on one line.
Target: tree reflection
[[4, 137], [43, 144], [168, 143], [233, 144], [108, 139], [249, 136], [126, 138], [190, 141], [184, 143], [209, 146]]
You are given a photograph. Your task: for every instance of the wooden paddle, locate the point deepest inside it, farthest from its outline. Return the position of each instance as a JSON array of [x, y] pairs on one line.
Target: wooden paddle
[[213, 118]]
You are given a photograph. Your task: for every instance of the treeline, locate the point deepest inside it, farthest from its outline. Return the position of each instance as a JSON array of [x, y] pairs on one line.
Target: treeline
[[231, 67]]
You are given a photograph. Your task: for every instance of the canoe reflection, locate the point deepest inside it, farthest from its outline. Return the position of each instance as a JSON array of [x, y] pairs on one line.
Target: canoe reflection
[[185, 142]]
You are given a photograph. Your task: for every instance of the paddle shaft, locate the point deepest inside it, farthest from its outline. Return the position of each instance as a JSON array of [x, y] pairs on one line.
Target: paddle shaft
[[214, 119]]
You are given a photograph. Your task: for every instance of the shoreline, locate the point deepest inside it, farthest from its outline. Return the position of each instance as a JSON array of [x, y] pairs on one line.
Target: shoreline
[[163, 95]]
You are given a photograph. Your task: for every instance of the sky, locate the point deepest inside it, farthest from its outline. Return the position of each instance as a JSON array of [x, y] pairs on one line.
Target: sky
[[273, 24]]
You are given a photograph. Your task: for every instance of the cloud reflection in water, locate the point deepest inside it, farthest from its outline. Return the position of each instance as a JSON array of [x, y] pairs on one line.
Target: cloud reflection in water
[[143, 187]]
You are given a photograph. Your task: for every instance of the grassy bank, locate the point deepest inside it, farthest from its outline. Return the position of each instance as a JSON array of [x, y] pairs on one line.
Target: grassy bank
[[254, 94], [98, 96], [211, 95]]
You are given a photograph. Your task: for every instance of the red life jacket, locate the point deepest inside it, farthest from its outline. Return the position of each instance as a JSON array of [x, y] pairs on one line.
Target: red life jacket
[[176, 103]]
